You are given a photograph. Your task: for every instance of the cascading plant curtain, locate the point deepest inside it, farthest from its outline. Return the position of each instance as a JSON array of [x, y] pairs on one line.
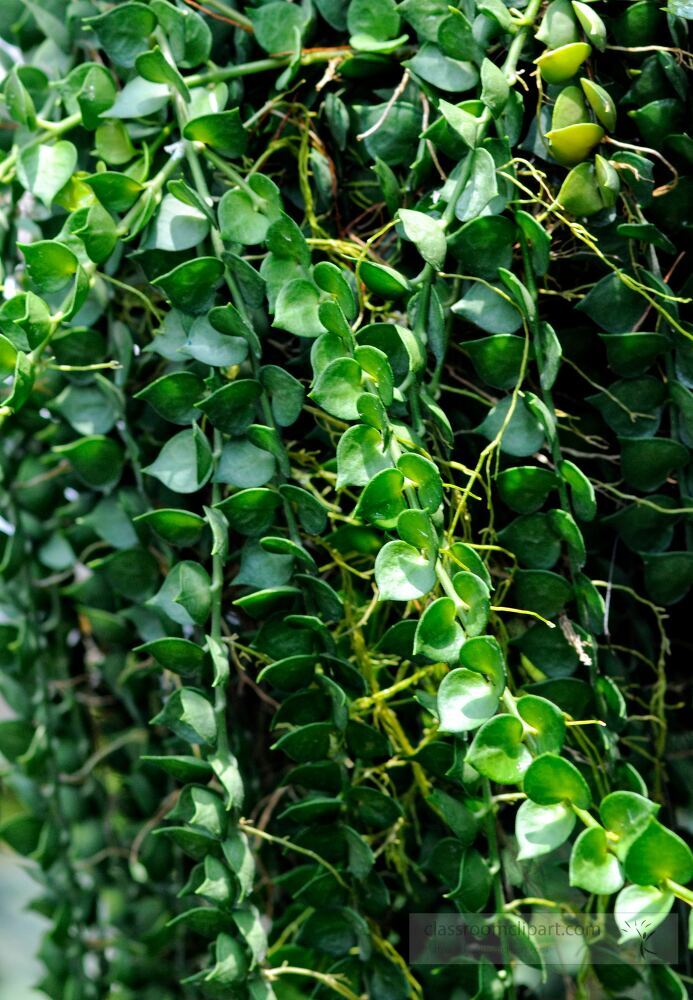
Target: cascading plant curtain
[[346, 414]]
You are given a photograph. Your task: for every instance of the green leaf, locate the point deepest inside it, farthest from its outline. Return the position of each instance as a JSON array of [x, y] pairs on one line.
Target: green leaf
[[174, 396], [312, 515], [189, 715], [372, 807], [497, 751], [190, 286], [15, 738], [448, 74], [285, 392], [495, 89], [116, 191], [18, 99], [497, 359], [647, 233], [123, 31], [155, 67], [541, 591], [296, 309], [22, 833], [476, 607], [184, 595], [211, 346], [185, 462], [483, 244], [383, 280], [222, 130], [402, 573], [97, 460], [243, 465], [177, 226], [632, 353], [180, 655], [44, 170], [565, 527], [524, 488], [112, 143], [480, 189], [635, 904], [360, 455], [570, 108], [647, 463], [465, 557], [548, 650], [668, 576], [557, 65], [244, 219], [592, 867], [306, 743], [612, 305], [132, 573], [187, 33], [50, 265], [580, 193], [658, 854], [177, 527], [626, 814], [275, 23], [581, 490], [574, 143], [546, 721], [439, 635], [338, 388], [551, 779], [232, 408], [533, 540], [424, 475], [633, 408], [382, 501], [601, 102], [462, 121], [518, 429], [251, 511], [490, 308], [465, 700], [541, 829], [426, 234], [138, 99]]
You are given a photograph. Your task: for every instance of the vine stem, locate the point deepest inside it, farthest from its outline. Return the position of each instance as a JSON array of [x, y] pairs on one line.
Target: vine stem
[[586, 817], [264, 66], [290, 846], [218, 244], [497, 877], [215, 618], [50, 130], [680, 891], [322, 977]]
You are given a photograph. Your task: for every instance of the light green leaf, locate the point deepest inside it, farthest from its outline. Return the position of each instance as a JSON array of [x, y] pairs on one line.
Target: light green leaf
[[185, 462], [439, 635], [541, 829], [551, 779], [497, 751], [592, 867], [402, 573], [465, 700], [44, 170], [426, 234]]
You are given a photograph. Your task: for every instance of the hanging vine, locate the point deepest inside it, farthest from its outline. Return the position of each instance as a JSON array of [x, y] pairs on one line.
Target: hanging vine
[[346, 492]]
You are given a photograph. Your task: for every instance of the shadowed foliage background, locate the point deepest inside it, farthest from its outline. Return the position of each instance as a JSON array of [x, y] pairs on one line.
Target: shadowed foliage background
[[346, 491]]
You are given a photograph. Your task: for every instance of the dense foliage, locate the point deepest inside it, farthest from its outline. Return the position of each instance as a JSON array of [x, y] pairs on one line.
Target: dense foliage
[[345, 472]]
